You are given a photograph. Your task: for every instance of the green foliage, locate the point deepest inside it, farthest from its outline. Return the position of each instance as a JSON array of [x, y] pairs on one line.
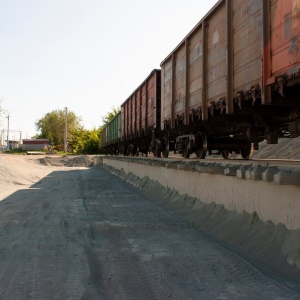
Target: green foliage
[[15, 151], [52, 126], [86, 141], [106, 119]]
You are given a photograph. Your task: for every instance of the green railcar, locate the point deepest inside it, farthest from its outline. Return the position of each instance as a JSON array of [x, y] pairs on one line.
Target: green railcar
[[103, 138], [110, 136]]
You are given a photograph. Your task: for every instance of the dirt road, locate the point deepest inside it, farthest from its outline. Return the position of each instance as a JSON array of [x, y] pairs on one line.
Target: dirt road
[[82, 233]]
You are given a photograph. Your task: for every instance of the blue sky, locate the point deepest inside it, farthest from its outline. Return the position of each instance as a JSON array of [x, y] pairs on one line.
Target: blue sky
[[86, 55]]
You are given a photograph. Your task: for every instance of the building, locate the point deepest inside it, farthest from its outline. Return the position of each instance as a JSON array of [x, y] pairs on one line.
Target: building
[[12, 144], [62, 148], [36, 144]]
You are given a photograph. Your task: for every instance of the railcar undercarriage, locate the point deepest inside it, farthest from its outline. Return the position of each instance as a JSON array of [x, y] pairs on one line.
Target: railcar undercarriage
[[225, 134]]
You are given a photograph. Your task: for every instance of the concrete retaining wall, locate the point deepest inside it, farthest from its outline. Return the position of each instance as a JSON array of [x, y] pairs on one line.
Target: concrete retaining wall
[[272, 192]]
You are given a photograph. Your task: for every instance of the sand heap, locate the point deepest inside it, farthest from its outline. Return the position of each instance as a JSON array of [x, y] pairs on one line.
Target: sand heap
[[18, 171], [67, 161], [285, 149]]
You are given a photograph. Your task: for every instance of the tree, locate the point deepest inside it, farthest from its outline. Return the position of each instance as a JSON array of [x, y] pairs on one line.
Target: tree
[[52, 126], [110, 115], [86, 141]]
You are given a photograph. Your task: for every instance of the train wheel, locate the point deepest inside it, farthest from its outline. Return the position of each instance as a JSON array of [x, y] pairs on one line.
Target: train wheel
[[165, 153], [157, 153], [157, 149], [186, 153], [187, 148], [201, 150], [245, 153], [226, 154], [165, 150]]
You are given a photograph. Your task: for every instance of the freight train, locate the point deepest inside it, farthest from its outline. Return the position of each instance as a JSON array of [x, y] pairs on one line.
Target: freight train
[[231, 83]]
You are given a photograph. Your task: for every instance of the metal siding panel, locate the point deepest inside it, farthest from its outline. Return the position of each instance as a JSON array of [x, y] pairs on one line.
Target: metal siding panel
[[109, 133], [108, 136], [247, 38], [122, 122], [138, 111], [217, 65], [210, 78], [285, 36], [115, 129], [129, 117], [126, 120], [123, 125], [150, 99], [133, 113], [119, 126], [195, 70], [167, 91], [144, 100], [204, 106], [103, 137], [162, 98], [157, 103], [229, 58], [140, 108], [112, 131], [180, 81]]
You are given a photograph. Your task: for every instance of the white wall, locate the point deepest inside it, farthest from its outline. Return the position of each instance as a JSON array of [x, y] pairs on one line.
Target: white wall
[[279, 203]]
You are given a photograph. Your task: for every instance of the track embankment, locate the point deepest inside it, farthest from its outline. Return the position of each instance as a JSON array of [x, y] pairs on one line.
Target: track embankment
[[252, 208]]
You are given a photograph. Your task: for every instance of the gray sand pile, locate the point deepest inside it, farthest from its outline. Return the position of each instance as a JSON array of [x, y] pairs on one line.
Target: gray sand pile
[[285, 149], [21, 171], [68, 161], [273, 249]]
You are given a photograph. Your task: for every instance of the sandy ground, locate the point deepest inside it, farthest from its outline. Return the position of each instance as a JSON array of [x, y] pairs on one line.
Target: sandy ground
[[285, 149], [71, 231], [19, 171]]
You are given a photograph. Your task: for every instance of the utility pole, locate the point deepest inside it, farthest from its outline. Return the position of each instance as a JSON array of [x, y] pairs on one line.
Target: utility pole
[[7, 131], [66, 129], [1, 144], [20, 141]]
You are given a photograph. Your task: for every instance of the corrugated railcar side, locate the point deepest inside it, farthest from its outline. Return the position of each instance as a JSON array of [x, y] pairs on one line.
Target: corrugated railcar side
[[234, 79], [103, 139], [110, 136], [140, 116]]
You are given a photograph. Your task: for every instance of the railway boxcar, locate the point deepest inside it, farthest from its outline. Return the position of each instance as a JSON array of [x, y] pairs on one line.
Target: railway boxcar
[[103, 139], [140, 117], [234, 80], [110, 136]]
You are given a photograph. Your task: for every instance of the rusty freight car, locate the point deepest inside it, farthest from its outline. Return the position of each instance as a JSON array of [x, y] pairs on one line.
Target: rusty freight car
[[140, 118], [234, 80]]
